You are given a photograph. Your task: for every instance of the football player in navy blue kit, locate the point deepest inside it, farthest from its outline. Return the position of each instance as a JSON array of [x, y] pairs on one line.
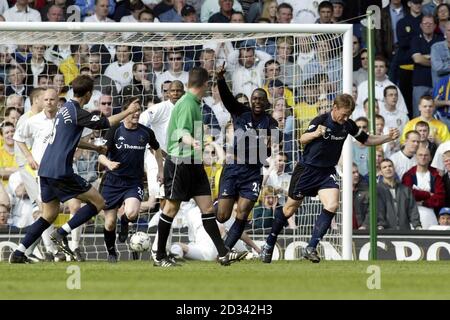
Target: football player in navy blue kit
[[241, 180], [122, 182], [57, 180], [315, 174]]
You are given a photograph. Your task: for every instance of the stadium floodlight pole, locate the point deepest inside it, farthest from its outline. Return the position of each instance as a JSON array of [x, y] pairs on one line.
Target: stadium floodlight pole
[[372, 154]]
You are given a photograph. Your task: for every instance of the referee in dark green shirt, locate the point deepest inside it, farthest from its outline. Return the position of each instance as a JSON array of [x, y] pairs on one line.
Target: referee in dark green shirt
[[184, 174]]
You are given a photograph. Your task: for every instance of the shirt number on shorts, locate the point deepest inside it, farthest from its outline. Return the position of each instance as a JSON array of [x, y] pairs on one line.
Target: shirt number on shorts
[[255, 187]]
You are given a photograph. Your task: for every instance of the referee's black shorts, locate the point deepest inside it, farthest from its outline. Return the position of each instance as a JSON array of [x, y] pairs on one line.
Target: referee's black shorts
[[183, 181]]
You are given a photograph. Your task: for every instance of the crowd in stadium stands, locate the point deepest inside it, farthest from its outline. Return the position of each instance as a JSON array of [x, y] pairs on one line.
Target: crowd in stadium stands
[[412, 90]]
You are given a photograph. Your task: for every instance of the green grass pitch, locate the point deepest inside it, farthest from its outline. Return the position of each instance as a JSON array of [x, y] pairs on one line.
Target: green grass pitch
[[244, 280]]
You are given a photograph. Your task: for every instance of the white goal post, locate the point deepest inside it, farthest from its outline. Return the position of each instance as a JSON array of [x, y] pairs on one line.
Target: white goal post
[[184, 34]]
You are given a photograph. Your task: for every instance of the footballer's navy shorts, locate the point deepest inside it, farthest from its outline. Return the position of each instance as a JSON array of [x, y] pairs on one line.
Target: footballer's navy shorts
[[62, 189], [240, 180], [184, 180], [115, 190], [307, 180]]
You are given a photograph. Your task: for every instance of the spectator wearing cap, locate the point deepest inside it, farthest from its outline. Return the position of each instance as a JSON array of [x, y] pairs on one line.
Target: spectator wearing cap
[[210, 7], [174, 14], [224, 14], [272, 73], [427, 187], [444, 216], [102, 9], [407, 28], [420, 53], [338, 10], [325, 12], [188, 14], [246, 65], [276, 89]]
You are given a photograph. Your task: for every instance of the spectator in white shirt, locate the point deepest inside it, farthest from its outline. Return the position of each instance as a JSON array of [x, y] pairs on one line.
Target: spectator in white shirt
[[101, 12], [405, 159], [175, 71], [21, 12], [381, 82], [247, 68], [121, 71]]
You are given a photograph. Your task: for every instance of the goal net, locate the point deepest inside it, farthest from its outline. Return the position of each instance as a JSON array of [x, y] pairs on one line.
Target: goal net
[[301, 67]]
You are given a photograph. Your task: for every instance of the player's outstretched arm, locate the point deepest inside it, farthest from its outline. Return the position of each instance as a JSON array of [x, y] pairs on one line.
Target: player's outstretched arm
[[115, 119], [374, 140], [89, 146], [229, 101]]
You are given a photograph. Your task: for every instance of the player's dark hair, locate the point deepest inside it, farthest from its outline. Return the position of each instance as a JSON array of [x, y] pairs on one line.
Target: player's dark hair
[[391, 87], [344, 101], [128, 102], [81, 85], [197, 77]]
